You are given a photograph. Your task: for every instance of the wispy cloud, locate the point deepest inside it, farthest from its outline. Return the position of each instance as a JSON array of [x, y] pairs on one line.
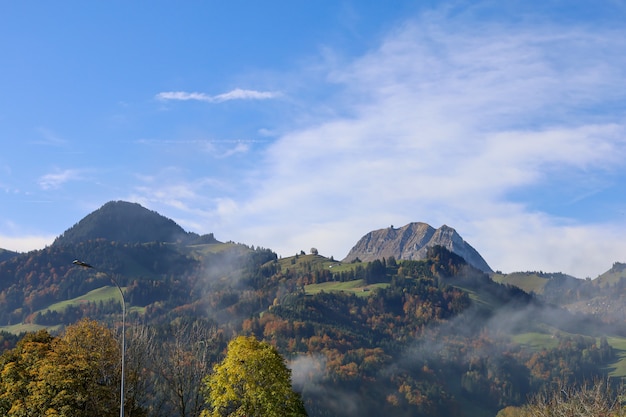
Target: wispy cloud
[[50, 138], [219, 149], [239, 148], [236, 94], [183, 96], [239, 94], [445, 122], [56, 179], [190, 202]]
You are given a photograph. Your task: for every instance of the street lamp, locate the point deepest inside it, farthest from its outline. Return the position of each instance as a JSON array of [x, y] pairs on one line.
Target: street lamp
[[86, 265]]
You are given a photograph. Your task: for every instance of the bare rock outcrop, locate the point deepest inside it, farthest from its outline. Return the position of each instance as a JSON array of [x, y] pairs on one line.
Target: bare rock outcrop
[[411, 242]]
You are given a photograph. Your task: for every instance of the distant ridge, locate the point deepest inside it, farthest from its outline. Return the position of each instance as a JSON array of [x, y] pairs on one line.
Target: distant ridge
[[122, 221], [7, 254], [611, 277], [411, 242]]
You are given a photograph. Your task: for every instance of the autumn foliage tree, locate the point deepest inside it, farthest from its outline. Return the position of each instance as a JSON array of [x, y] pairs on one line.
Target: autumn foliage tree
[[19, 367], [76, 374], [252, 381]]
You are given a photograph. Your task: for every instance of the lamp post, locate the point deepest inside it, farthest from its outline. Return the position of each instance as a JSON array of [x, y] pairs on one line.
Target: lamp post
[[86, 265]]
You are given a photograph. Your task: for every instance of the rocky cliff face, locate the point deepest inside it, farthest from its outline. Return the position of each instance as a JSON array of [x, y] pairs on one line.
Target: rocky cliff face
[[411, 242]]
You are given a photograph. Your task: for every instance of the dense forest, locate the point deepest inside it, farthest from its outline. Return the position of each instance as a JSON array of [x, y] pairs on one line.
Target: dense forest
[[417, 343]]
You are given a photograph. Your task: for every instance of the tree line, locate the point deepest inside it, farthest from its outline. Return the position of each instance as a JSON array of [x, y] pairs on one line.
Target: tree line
[[78, 374]]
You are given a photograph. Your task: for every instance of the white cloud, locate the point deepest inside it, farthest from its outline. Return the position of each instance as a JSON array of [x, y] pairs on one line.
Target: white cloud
[[517, 240], [441, 124], [56, 179], [239, 94], [236, 94], [25, 243], [444, 123], [183, 96]]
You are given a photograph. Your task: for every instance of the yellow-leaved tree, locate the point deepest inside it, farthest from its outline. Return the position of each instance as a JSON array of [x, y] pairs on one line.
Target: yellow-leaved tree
[[80, 375], [73, 375], [252, 381], [19, 367]]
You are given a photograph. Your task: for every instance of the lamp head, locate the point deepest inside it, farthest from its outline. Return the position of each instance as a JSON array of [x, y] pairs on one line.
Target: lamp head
[[81, 263]]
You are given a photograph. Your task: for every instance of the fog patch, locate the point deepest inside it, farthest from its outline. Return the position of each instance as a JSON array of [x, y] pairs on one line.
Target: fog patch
[[309, 377]]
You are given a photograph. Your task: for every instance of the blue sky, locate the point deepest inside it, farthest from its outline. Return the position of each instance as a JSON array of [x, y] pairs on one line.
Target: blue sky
[[292, 125]]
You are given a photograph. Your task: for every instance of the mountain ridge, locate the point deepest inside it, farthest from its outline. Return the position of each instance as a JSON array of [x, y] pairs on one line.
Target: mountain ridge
[[7, 254]]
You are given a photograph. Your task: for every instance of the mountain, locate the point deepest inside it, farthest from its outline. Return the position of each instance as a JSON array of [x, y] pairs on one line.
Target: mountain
[[431, 337], [121, 221], [411, 242], [153, 258]]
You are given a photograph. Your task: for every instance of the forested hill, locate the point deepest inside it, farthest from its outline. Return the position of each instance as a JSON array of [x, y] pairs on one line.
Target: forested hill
[[120, 221], [430, 337]]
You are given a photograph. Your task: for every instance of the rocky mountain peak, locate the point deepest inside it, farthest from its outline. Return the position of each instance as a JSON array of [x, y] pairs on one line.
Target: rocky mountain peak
[[411, 242]]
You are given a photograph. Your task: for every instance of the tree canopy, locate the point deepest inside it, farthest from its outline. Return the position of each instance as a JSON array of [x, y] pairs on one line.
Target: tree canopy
[[252, 381], [75, 375]]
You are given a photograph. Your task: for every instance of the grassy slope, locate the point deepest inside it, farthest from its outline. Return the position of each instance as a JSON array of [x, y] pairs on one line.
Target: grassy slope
[[318, 262], [103, 294], [618, 368], [27, 328], [357, 287], [528, 282], [611, 277], [210, 248], [100, 294]]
